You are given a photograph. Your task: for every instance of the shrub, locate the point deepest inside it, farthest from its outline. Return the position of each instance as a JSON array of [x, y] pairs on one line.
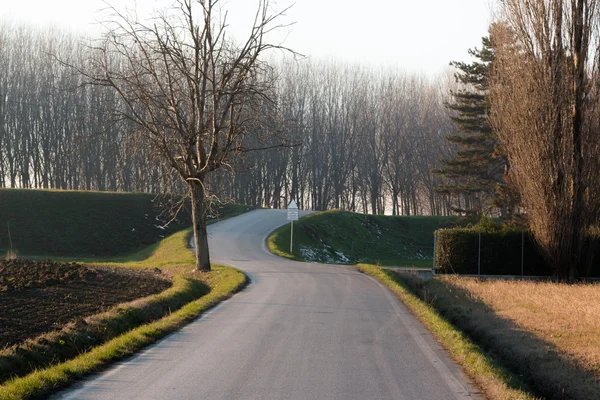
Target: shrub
[[503, 252]]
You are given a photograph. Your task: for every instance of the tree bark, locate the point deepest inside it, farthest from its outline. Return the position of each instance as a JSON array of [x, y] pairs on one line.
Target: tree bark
[[199, 210], [578, 188]]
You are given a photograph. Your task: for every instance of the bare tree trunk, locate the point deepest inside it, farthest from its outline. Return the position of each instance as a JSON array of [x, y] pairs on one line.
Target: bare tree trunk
[[199, 210], [578, 200]]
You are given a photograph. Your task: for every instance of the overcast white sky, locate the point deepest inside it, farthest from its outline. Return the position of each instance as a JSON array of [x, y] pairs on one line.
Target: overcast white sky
[[413, 35]]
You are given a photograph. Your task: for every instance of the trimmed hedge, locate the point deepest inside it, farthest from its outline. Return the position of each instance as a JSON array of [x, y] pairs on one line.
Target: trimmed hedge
[[457, 252]]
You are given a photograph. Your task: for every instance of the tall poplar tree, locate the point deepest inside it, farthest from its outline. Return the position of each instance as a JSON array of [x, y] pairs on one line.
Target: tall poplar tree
[[545, 108]]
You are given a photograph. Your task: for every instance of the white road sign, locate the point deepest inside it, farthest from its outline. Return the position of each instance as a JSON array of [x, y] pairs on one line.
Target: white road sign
[[292, 216], [292, 211]]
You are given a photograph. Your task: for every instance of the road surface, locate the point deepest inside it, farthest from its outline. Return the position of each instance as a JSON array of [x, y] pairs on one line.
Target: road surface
[[298, 331]]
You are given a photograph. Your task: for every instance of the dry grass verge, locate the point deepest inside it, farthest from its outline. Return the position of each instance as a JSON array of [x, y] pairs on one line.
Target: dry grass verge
[[547, 332], [495, 380]]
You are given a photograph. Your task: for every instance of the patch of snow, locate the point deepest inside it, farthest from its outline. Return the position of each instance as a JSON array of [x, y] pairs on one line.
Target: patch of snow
[[308, 253], [132, 229], [325, 255], [160, 227], [342, 257]]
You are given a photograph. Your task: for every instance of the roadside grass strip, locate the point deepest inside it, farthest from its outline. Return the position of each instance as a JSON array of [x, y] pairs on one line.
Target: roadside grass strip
[[222, 281], [497, 382], [274, 245]]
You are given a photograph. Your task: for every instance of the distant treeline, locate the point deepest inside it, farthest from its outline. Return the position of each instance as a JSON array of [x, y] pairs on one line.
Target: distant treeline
[[355, 138]]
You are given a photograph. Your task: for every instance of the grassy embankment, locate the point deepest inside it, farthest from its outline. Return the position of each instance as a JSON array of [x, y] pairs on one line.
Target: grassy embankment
[[88, 225], [125, 329], [509, 335], [346, 238]]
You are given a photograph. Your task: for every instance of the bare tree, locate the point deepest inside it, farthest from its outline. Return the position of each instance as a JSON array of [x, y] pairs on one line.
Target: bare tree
[[545, 110], [192, 91], [354, 123]]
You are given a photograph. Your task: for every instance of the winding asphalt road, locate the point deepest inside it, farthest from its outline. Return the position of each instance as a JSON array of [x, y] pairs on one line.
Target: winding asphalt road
[[298, 331]]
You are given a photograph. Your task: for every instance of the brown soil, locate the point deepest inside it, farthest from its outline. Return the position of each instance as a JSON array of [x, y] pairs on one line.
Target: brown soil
[[40, 296]]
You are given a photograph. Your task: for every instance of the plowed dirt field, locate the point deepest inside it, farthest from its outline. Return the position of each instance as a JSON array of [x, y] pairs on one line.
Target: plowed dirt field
[[40, 296]]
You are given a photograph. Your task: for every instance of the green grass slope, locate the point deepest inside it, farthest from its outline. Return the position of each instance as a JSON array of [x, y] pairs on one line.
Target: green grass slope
[[343, 237], [84, 223]]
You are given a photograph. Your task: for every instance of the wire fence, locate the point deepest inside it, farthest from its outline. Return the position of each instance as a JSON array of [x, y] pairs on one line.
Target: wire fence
[[489, 254]]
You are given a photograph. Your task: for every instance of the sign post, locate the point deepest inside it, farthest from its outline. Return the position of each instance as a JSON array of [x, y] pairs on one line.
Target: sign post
[[292, 215]]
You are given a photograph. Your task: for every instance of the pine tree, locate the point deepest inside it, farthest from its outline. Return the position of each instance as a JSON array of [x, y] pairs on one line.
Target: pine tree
[[475, 174]]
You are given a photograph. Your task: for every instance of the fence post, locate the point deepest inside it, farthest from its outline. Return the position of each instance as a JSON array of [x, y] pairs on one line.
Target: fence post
[[434, 249], [522, 251], [479, 256], [292, 238]]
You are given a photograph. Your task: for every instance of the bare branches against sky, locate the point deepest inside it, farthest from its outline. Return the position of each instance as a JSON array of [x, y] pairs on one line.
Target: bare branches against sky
[[416, 36]]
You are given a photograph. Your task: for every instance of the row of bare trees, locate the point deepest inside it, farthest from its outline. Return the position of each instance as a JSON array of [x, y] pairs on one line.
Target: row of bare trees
[[361, 139], [347, 137], [55, 133]]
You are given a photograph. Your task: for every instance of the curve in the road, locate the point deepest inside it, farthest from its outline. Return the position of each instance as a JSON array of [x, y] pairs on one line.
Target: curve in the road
[[299, 331]]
